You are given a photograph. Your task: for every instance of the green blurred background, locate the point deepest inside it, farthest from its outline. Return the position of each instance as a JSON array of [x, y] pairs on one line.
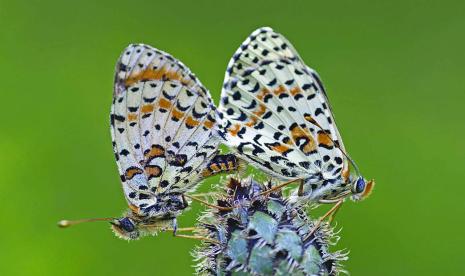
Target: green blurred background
[[393, 70]]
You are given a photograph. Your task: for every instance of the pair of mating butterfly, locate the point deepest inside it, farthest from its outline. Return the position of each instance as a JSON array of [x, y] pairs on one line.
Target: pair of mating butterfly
[[274, 113]]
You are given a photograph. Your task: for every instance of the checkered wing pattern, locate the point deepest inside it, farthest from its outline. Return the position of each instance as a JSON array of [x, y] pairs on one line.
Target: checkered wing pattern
[[162, 126], [275, 112]]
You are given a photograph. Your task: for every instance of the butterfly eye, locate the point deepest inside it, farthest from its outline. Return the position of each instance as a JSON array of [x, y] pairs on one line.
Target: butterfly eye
[[127, 224], [359, 186]]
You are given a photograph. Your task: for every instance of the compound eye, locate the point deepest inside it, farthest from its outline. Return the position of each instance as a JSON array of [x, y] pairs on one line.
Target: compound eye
[[127, 224], [359, 185]]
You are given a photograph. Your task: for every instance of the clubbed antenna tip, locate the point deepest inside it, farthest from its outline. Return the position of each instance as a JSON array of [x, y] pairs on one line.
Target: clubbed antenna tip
[[63, 223]]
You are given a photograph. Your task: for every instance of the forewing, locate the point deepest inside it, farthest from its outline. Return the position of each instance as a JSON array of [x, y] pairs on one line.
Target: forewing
[[159, 109], [275, 111]]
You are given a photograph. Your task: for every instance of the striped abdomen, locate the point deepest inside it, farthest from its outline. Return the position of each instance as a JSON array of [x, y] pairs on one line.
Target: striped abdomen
[[221, 163]]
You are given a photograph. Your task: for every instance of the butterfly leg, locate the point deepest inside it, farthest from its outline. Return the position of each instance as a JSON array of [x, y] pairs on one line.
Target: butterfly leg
[[186, 229], [221, 208], [189, 229], [199, 238], [184, 202], [183, 229], [331, 211], [278, 187], [205, 195], [333, 215], [175, 226], [301, 188]]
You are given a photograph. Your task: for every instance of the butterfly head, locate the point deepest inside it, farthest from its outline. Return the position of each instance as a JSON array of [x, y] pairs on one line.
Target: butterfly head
[[125, 228], [131, 226], [361, 188]]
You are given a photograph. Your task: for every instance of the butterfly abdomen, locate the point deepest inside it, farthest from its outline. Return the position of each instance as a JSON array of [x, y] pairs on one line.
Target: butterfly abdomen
[[221, 163]]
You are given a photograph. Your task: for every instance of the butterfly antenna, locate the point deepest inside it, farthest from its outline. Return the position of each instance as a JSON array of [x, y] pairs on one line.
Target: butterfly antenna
[[200, 238], [67, 223], [352, 162], [346, 155]]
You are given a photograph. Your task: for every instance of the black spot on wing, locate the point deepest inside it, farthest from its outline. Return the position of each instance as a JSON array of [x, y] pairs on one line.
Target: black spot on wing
[[180, 107], [252, 105], [242, 117], [197, 114], [149, 100], [118, 118], [318, 111], [272, 82], [255, 88]]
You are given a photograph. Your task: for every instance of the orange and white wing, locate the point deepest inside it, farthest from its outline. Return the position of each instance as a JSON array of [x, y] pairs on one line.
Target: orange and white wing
[[162, 126], [275, 112]]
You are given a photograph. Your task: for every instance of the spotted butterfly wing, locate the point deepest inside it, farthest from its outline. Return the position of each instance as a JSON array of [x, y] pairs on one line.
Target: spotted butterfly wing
[[162, 122], [276, 115]]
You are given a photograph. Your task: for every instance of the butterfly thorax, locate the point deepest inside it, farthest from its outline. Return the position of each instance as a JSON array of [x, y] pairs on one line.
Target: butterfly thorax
[[152, 219], [332, 190], [326, 188], [166, 206]]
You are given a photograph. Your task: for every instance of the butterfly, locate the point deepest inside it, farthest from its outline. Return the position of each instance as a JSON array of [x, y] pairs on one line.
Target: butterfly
[[163, 130], [275, 114]]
